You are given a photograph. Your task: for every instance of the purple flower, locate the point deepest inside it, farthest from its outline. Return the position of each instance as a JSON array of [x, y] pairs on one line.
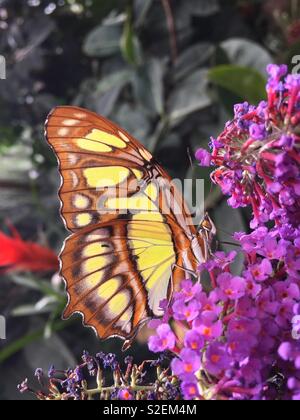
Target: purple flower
[[261, 271], [292, 81], [293, 262], [125, 394], [290, 352], [244, 330], [252, 288], [209, 306], [164, 340], [39, 374], [51, 372], [78, 374], [186, 311], [209, 329], [189, 291], [193, 340], [252, 242], [245, 308], [190, 390], [23, 387], [285, 313], [294, 385], [238, 348], [266, 303], [272, 249], [287, 142], [277, 72], [257, 131], [188, 364], [110, 361], [224, 260], [203, 157], [216, 359], [232, 288], [287, 290]]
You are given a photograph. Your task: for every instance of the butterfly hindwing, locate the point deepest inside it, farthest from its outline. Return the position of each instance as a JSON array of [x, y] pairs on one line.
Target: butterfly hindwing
[[118, 273]]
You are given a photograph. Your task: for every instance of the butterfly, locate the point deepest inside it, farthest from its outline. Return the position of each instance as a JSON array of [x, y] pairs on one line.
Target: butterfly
[[132, 236]]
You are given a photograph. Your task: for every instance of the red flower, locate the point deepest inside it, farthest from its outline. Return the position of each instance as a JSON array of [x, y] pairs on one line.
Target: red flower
[[18, 255]]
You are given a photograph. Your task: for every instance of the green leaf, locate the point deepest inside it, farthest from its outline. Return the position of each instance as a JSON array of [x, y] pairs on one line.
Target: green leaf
[[191, 59], [27, 339], [141, 9], [39, 285], [31, 309], [245, 53], [103, 41], [149, 87], [185, 10], [189, 96], [117, 78], [130, 45], [108, 91], [248, 84], [134, 120]]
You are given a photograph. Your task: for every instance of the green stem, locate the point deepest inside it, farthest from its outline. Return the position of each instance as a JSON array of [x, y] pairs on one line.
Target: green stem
[[100, 390], [27, 339], [159, 134]]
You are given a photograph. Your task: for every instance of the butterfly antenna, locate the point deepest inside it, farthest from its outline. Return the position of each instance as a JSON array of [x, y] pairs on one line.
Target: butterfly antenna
[[229, 243], [190, 158], [224, 231]]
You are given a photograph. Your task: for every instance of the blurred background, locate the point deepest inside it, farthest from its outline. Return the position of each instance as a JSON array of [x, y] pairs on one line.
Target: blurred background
[[169, 72]]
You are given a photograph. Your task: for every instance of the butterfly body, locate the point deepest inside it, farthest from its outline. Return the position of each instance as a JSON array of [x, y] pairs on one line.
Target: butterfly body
[[132, 236]]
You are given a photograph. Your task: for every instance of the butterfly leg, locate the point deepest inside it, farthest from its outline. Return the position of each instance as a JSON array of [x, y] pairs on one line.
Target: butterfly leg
[[190, 272]]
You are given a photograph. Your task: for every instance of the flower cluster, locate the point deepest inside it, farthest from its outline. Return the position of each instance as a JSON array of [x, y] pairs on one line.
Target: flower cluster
[[258, 153], [239, 339], [127, 383]]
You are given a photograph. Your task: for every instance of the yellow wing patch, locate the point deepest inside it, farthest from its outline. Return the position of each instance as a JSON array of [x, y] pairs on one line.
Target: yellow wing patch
[[106, 138], [81, 202], [109, 288], [106, 177], [93, 146], [143, 201], [83, 219], [153, 249], [100, 141]]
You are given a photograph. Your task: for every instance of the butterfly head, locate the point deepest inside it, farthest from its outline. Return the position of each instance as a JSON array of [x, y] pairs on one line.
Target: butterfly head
[[207, 231], [207, 226]]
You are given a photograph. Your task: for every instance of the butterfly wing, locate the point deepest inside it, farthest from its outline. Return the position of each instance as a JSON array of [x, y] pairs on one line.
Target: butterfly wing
[[117, 273], [118, 262], [96, 158]]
